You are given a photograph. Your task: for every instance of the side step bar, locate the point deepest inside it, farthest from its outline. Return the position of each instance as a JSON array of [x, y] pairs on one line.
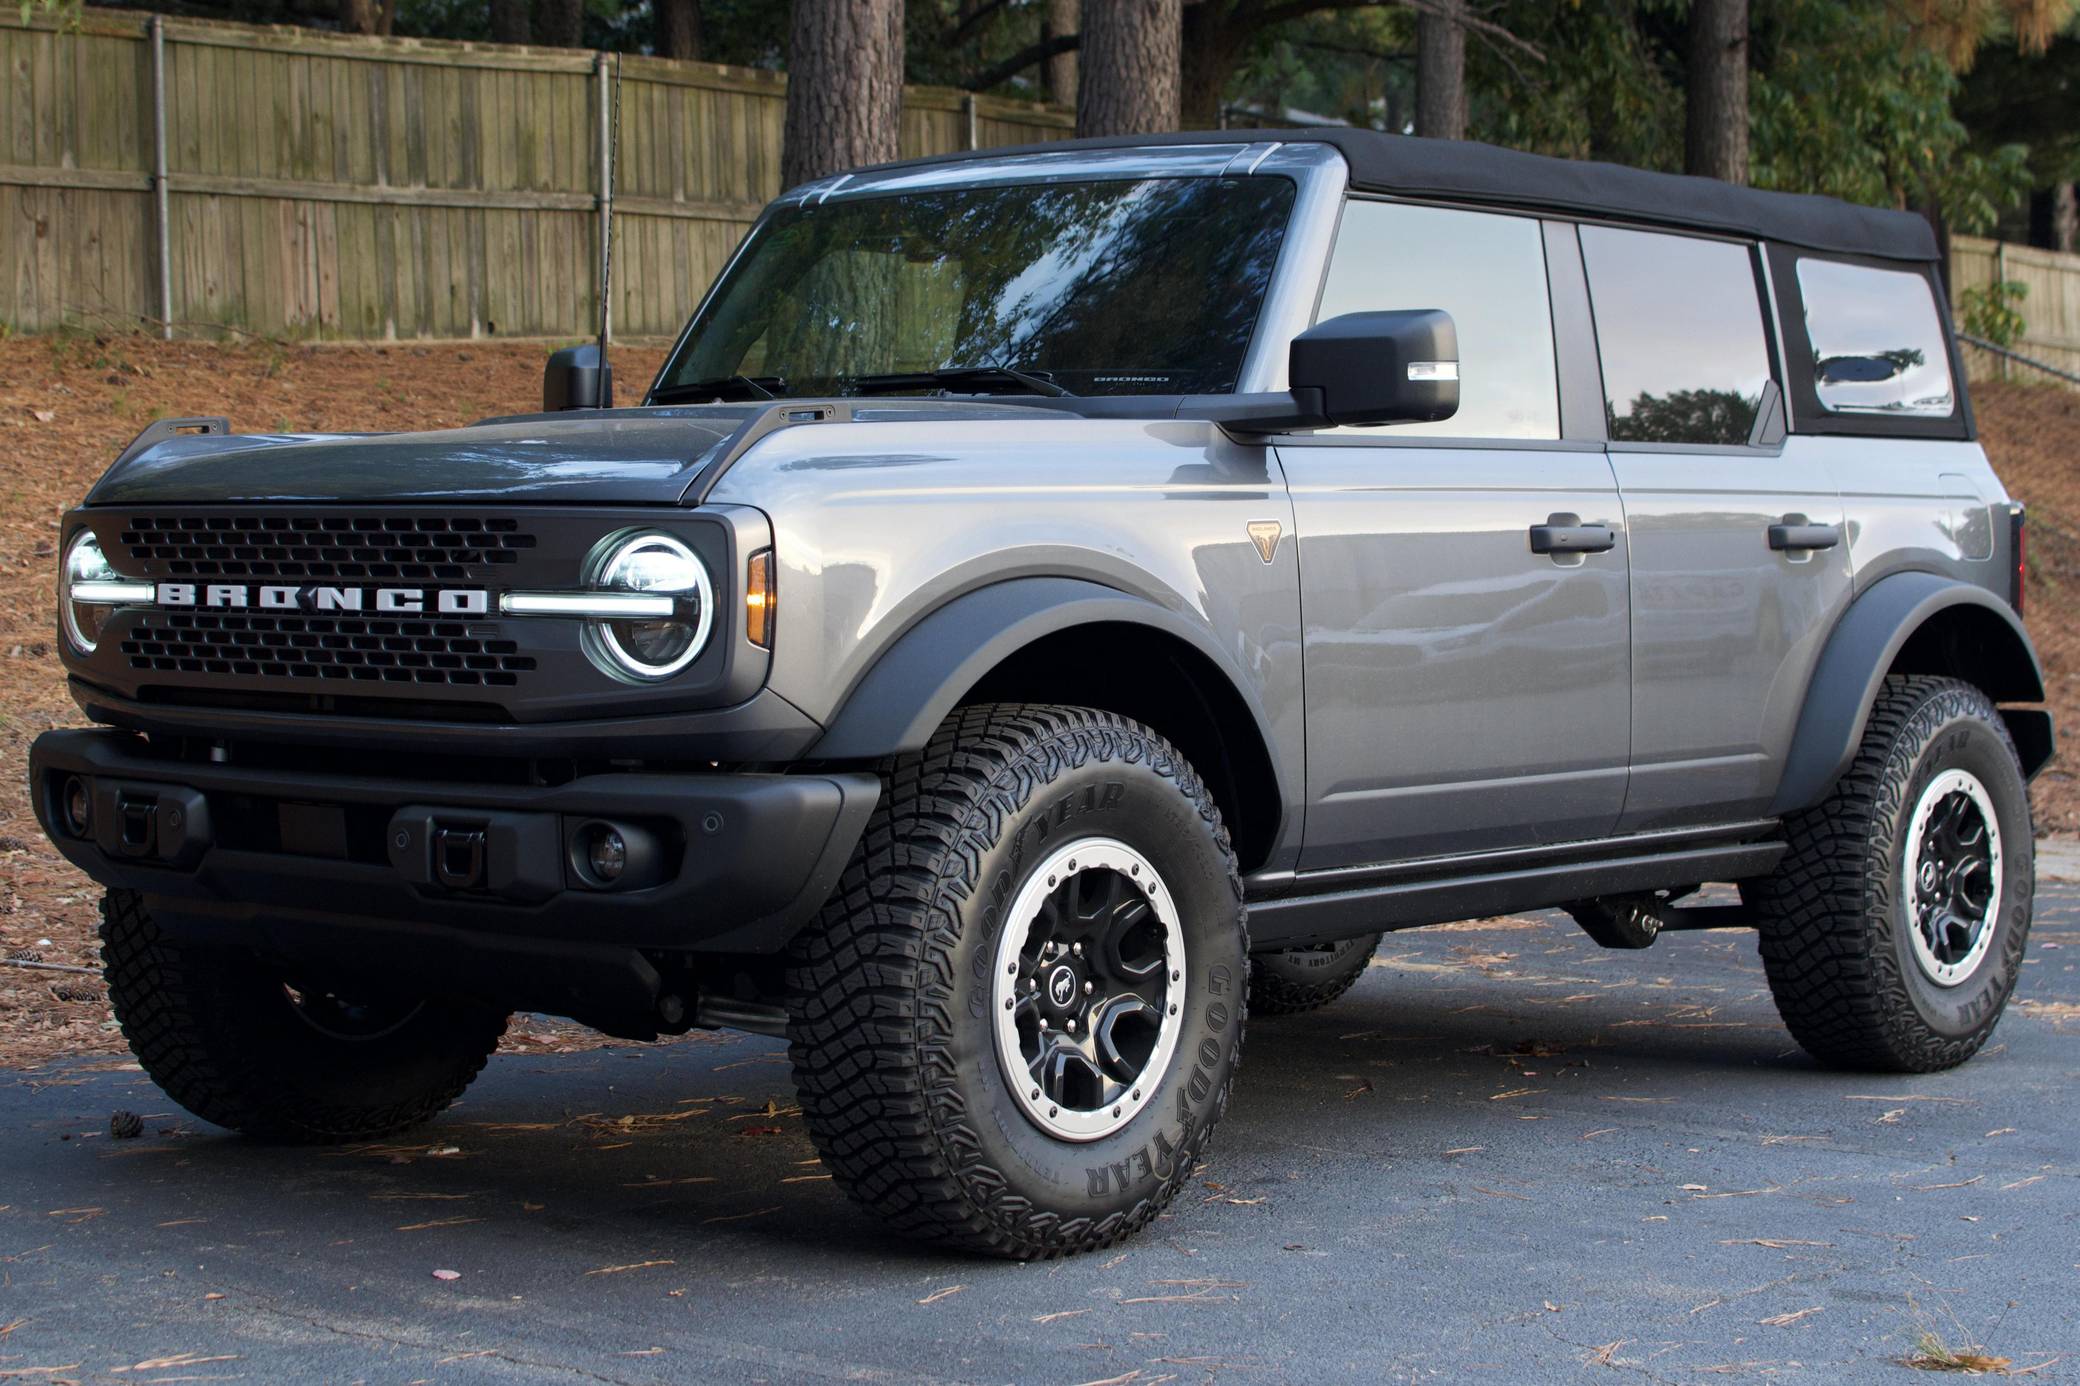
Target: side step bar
[[1336, 906]]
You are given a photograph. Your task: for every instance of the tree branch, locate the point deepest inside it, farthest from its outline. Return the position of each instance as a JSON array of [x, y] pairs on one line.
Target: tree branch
[[1029, 56]]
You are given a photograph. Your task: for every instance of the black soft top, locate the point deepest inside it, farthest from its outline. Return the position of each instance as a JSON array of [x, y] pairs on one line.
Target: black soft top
[[1462, 171]]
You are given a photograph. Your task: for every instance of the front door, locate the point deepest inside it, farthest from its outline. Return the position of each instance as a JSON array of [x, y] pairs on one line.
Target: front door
[[1465, 691]]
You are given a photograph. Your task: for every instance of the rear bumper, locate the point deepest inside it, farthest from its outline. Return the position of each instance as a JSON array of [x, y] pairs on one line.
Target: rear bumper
[[719, 862]]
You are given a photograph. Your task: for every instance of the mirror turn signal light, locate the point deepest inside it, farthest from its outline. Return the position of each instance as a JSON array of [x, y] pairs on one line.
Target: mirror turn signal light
[[759, 599]]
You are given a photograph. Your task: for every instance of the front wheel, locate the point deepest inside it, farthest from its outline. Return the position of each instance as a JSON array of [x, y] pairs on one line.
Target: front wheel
[[1015, 1024], [1893, 930], [238, 1044]]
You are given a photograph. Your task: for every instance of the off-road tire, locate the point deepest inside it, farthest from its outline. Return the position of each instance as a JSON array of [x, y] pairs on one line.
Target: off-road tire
[[217, 1032], [891, 1026], [1834, 926], [1293, 980]]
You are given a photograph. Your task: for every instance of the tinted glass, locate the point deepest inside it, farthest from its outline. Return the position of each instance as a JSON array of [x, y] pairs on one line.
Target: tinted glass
[[1679, 330], [1489, 273], [1108, 288], [1877, 342]]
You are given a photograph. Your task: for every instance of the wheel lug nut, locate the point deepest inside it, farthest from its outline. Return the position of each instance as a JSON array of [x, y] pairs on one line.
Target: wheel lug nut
[[1072, 1022], [1077, 949], [1086, 988]]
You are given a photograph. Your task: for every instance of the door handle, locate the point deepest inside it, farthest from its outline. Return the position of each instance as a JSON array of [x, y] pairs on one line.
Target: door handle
[[1796, 534], [1566, 533]]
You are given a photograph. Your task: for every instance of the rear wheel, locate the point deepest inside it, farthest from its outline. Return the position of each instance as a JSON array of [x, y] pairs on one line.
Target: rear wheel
[[1893, 931], [242, 1047], [1293, 980], [1015, 1025]]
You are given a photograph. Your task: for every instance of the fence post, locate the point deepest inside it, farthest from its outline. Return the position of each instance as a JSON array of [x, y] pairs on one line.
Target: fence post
[[974, 125], [2000, 290], [606, 196], [159, 191]]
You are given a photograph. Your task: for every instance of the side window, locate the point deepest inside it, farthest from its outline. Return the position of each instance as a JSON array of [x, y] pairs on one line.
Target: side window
[[1489, 273], [1679, 330], [1877, 342]]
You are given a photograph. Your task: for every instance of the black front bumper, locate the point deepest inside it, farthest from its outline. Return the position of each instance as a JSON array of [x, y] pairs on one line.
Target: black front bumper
[[721, 862]]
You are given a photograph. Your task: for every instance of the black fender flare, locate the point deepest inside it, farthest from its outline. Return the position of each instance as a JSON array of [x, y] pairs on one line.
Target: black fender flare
[[901, 700], [1861, 651]]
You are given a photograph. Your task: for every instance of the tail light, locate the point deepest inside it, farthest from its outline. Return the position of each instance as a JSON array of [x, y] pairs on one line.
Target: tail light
[[2018, 549]]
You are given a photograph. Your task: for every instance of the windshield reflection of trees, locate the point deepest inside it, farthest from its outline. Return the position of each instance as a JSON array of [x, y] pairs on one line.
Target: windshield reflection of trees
[[1101, 286]]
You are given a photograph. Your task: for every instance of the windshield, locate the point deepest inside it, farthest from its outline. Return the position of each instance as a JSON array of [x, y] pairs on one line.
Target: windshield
[[1135, 287]]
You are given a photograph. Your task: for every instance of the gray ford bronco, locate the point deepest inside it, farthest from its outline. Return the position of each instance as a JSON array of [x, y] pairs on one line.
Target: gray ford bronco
[[1050, 604]]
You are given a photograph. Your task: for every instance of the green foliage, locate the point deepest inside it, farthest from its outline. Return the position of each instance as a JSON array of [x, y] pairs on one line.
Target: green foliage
[[1843, 101], [1993, 311]]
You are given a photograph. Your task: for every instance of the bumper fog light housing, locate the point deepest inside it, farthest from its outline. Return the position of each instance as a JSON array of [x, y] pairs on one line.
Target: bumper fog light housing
[[78, 805]]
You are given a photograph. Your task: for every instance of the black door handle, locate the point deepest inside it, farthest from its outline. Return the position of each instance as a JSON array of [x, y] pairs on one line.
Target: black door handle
[[1795, 534], [1567, 534]]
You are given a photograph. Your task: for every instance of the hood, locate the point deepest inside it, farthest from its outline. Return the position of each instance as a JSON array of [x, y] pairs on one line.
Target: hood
[[622, 456]]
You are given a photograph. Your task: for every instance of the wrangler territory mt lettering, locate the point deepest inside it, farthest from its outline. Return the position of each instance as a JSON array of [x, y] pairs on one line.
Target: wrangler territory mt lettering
[[1050, 604]]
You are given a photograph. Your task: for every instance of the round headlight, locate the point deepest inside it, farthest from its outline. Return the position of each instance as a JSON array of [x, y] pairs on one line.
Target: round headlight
[[84, 562], [656, 647]]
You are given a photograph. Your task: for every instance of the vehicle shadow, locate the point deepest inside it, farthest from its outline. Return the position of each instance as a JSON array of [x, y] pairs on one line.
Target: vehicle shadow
[[618, 1156]]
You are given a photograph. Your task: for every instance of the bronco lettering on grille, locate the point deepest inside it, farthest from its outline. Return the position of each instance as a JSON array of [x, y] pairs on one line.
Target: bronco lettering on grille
[[390, 600]]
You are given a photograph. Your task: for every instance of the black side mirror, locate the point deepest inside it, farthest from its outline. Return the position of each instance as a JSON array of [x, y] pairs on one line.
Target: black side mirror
[[578, 377], [1378, 368]]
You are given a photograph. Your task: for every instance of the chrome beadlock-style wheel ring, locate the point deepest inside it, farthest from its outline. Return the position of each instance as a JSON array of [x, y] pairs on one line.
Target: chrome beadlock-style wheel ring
[[1951, 878], [1089, 989]]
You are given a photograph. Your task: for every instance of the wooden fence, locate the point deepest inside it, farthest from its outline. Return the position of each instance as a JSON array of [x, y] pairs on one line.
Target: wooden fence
[[2050, 309], [318, 185]]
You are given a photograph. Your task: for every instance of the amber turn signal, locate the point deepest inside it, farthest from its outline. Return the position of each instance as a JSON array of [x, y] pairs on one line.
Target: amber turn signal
[[758, 599]]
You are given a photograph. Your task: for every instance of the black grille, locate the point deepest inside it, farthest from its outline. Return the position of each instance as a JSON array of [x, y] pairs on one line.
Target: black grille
[[317, 548], [323, 647]]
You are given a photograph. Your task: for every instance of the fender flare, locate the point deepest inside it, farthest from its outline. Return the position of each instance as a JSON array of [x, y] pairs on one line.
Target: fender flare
[[1861, 651], [901, 700]]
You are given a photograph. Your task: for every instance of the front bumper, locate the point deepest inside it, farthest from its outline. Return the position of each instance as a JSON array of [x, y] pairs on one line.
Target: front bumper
[[720, 862]]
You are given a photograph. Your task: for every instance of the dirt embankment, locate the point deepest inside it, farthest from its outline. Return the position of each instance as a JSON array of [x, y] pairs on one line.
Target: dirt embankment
[[69, 403]]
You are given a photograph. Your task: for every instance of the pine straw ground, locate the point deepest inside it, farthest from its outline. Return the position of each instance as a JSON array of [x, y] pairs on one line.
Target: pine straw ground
[[68, 403]]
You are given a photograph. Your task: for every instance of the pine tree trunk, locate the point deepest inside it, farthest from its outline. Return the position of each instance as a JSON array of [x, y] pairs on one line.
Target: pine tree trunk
[[560, 23], [844, 87], [1130, 67], [511, 22], [678, 28], [1441, 71], [1060, 19], [1205, 64], [360, 16], [1715, 140]]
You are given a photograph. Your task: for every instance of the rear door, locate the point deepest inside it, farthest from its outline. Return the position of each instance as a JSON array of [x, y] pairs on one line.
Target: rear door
[[1740, 566], [1463, 691]]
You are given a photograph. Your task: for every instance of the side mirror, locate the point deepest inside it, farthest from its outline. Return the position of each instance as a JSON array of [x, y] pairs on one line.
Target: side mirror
[[578, 377], [1379, 368]]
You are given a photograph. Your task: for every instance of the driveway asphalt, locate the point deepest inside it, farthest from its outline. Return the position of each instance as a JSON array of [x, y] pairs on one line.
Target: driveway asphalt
[[1507, 1155]]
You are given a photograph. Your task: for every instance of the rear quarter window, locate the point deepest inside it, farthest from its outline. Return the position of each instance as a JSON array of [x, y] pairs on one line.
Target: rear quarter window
[[1877, 341]]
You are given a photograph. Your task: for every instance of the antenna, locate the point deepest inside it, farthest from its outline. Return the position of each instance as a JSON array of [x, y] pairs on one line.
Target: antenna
[[606, 264]]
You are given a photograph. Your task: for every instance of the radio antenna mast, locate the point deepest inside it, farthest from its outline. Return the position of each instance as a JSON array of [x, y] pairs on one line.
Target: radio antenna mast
[[606, 264]]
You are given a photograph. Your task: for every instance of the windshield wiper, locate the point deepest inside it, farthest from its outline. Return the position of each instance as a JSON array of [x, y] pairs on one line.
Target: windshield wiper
[[721, 388], [959, 375]]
